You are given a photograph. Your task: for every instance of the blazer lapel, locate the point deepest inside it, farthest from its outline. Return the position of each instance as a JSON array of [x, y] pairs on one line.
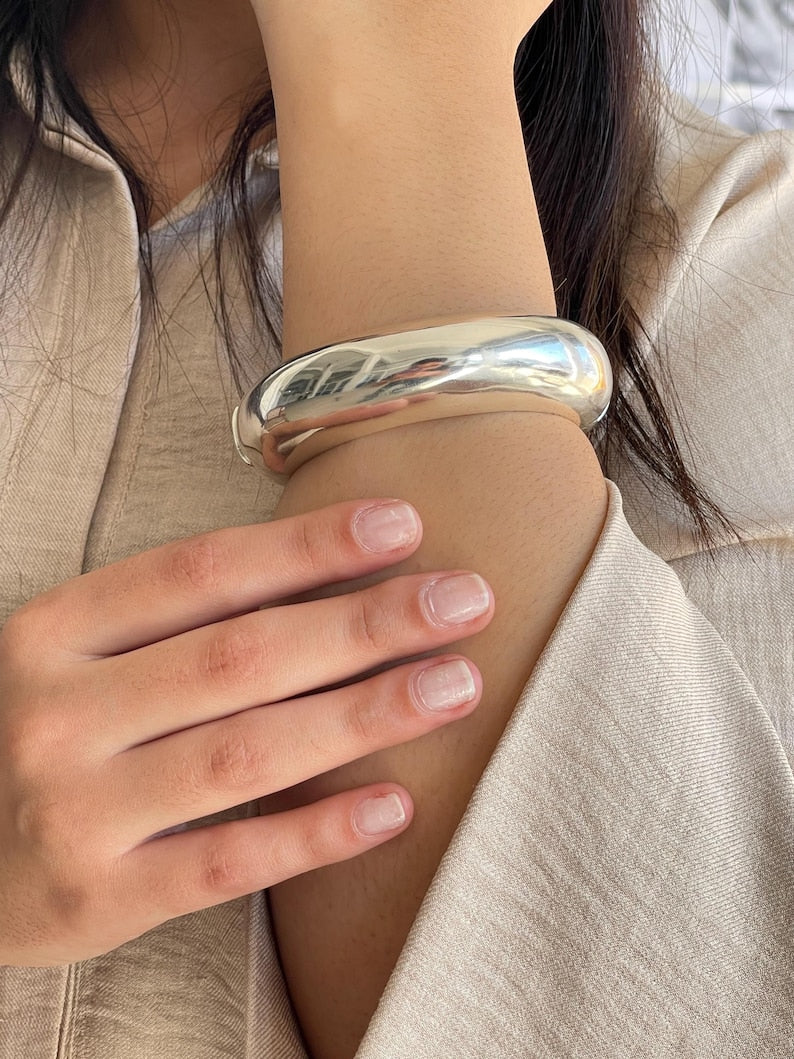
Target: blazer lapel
[[68, 335]]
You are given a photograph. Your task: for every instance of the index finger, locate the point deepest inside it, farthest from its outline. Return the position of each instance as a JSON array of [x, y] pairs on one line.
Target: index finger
[[192, 582]]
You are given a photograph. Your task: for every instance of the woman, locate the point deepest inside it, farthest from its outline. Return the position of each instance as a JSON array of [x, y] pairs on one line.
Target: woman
[[615, 816]]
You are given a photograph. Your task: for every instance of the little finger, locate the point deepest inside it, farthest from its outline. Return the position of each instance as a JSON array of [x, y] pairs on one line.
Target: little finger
[[172, 875]]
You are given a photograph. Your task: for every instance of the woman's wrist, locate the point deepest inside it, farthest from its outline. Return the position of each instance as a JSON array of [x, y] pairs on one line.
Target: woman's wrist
[[400, 30]]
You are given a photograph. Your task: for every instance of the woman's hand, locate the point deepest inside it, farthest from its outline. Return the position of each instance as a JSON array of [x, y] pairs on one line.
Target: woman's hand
[[154, 692]]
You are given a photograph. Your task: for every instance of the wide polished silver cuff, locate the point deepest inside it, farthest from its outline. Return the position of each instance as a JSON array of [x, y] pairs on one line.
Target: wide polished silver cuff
[[341, 392]]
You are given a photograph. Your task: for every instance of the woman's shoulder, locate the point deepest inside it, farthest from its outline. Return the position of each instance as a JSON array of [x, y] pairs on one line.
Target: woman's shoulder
[[732, 195], [717, 303], [707, 168]]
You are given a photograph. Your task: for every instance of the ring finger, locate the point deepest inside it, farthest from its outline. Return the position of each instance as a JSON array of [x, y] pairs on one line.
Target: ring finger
[[275, 654], [214, 766]]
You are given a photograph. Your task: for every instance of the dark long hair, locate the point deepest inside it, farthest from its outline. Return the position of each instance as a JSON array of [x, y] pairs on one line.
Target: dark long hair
[[587, 96]]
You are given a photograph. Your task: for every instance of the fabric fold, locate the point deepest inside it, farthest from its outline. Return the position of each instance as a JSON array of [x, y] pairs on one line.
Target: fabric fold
[[621, 883]]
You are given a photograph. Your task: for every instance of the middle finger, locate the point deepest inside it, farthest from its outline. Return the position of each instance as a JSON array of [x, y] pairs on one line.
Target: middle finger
[[264, 657]]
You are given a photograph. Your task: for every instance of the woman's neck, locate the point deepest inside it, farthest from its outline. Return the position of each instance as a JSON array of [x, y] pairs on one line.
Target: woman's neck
[[167, 81]]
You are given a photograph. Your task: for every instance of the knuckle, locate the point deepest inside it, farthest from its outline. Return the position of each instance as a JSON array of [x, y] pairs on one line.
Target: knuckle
[[38, 824], [70, 903], [312, 544], [362, 720], [235, 762], [232, 658], [222, 871], [320, 843], [196, 563], [373, 622], [27, 740]]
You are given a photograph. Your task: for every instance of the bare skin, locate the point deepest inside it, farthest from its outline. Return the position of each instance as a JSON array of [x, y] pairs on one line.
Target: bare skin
[[156, 691], [364, 252], [168, 82]]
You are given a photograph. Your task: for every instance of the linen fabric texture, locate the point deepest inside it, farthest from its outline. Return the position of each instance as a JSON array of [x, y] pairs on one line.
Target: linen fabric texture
[[621, 884]]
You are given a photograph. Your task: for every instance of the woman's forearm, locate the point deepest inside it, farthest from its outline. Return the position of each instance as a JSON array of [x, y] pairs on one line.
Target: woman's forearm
[[405, 192], [520, 499], [409, 201]]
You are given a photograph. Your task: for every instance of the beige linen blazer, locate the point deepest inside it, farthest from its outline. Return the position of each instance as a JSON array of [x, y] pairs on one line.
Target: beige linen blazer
[[621, 885]]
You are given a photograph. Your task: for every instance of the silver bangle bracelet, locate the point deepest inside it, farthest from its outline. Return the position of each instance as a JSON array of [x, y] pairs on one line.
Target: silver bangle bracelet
[[344, 391]]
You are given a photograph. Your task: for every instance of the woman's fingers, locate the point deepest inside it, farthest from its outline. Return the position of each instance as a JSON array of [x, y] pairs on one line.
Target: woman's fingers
[[151, 693], [176, 874], [278, 653], [189, 583], [212, 767]]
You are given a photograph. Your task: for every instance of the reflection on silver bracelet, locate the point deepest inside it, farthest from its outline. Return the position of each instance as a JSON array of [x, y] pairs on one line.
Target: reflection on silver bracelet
[[345, 391]]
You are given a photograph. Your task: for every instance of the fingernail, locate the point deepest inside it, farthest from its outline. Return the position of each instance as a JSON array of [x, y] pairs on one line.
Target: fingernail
[[386, 527], [384, 812], [456, 599], [445, 686]]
